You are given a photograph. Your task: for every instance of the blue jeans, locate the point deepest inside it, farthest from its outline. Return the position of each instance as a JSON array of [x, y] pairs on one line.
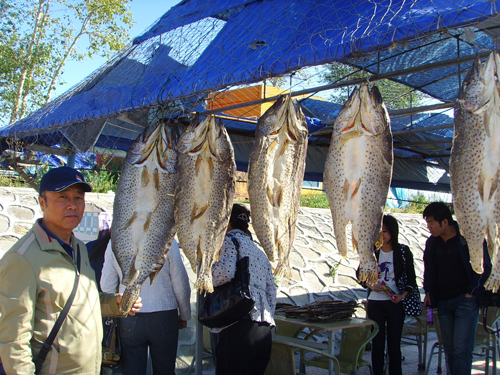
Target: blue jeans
[[458, 319]]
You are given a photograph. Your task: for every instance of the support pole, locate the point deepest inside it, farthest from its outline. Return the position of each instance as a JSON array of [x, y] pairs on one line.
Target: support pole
[[199, 333], [71, 160]]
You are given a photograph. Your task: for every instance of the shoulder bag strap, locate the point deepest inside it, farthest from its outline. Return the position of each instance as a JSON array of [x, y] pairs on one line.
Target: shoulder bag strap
[[236, 245], [53, 333]]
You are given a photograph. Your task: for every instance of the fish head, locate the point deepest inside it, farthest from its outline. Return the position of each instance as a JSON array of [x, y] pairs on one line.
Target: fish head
[[193, 140], [297, 125], [374, 115], [142, 147], [167, 153], [220, 144], [480, 87], [270, 123], [347, 117]]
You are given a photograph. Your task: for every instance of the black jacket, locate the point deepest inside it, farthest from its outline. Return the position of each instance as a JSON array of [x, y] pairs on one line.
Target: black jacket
[[476, 281], [398, 250]]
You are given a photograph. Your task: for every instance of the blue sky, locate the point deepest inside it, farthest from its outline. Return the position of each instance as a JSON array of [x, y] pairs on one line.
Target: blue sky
[[145, 13]]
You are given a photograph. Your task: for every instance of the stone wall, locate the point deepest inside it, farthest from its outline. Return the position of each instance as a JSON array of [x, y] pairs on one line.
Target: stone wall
[[318, 271]]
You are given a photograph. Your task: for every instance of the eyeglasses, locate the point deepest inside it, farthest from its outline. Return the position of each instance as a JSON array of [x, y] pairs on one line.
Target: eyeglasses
[[244, 217]]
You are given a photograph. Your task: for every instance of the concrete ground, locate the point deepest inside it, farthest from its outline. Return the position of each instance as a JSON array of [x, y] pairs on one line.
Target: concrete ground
[[410, 362]]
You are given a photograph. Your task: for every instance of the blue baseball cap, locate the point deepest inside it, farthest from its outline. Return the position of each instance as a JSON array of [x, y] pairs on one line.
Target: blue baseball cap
[[61, 178]]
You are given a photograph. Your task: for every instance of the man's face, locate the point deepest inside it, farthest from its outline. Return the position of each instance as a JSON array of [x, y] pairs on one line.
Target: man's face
[[63, 211], [435, 227]]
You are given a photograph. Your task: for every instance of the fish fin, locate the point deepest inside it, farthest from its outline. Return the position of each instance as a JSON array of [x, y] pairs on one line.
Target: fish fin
[[152, 276], [211, 168], [480, 186], [272, 146], [156, 179], [217, 255], [144, 177], [147, 223], [131, 220], [487, 123], [354, 243], [283, 148], [199, 252], [276, 238], [279, 197], [356, 188], [197, 164], [494, 185], [270, 196], [345, 190], [198, 212]]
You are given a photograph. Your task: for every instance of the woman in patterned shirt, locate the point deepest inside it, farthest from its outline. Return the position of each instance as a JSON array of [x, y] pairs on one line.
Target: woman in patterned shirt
[[245, 346]]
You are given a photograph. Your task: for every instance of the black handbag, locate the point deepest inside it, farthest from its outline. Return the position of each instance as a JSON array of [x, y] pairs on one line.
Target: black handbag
[[231, 301], [111, 349], [411, 303]]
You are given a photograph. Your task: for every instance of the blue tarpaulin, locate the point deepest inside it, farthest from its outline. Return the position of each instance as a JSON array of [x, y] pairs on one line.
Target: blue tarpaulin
[[201, 47]]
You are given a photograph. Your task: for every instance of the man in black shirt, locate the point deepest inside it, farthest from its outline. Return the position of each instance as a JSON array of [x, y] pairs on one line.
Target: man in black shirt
[[452, 286]]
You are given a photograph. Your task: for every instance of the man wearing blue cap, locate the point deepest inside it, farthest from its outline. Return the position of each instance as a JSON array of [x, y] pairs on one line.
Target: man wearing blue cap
[[39, 274]]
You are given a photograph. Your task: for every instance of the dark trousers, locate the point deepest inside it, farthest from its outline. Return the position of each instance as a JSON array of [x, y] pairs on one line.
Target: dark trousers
[[158, 331], [383, 312], [244, 348]]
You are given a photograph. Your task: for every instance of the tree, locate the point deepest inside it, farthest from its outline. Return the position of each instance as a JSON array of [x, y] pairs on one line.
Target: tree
[[38, 37], [396, 95]]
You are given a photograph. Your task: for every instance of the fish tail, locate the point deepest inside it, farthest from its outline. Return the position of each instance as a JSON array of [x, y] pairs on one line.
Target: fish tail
[[129, 297], [204, 283], [283, 270], [368, 275], [493, 282]]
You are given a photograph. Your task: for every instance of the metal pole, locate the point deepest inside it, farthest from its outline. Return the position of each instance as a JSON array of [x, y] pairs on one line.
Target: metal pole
[[199, 334], [71, 160]]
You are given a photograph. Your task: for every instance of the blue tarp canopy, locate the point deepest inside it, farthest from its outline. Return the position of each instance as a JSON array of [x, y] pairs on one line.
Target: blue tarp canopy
[[202, 47]]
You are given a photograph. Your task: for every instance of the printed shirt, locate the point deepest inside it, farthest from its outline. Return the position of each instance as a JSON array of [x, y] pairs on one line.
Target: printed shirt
[[262, 286], [385, 275]]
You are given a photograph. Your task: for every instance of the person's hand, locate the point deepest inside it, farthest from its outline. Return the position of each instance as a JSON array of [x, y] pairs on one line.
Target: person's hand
[[427, 300], [467, 295], [137, 305], [376, 287], [397, 298], [182, 324]]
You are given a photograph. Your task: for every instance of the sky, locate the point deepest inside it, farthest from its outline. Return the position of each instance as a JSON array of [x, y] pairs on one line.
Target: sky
[[145, 14]]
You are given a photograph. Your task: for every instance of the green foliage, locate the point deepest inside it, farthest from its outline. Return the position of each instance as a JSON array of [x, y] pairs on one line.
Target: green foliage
[[12, 179], [418, 202], [101, 181], [314, 200], [396, 95], [38, 37], [335, 268]]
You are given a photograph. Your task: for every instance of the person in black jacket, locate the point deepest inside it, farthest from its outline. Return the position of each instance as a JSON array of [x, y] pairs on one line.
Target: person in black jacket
[[452, 286], [386, 307]]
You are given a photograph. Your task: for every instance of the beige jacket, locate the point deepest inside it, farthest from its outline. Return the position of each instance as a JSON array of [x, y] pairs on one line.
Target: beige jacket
[[36, 279]]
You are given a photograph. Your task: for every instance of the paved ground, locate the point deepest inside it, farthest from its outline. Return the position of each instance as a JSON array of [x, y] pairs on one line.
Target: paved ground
[[410, 362]]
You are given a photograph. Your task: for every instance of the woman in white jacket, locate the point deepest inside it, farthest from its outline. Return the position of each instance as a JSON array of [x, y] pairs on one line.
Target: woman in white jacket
[[166, 309], [245, 347]]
